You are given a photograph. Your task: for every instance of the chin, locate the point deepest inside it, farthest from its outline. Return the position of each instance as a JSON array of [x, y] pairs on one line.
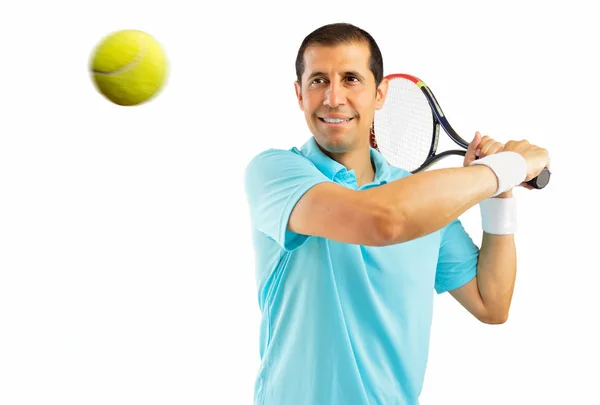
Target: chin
[[334, 144]]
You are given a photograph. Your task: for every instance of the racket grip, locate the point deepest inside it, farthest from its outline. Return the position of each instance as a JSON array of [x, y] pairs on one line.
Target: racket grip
[[541, 180]]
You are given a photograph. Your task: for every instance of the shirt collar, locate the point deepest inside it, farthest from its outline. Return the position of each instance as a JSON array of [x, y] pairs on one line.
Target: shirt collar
[[331, 168]]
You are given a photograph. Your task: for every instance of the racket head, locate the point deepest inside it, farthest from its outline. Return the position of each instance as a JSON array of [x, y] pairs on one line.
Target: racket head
[[406, 129]]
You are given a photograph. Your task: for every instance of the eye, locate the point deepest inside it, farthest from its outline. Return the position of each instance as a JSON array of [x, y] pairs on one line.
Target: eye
[[353, 79], [316, 81]]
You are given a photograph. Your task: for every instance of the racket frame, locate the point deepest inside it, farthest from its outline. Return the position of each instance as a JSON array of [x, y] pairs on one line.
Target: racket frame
[[439, 120]]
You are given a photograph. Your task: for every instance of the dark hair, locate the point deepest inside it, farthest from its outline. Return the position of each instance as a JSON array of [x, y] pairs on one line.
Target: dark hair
[[334, 34]]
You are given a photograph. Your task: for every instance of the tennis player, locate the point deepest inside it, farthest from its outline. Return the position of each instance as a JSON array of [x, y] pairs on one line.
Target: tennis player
[[349, 250]]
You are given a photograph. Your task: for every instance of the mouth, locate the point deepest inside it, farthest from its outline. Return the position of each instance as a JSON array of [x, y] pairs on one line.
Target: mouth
[[335, 121]]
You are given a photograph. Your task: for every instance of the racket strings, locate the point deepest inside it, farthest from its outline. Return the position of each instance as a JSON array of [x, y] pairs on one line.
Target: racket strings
[[404, 127]]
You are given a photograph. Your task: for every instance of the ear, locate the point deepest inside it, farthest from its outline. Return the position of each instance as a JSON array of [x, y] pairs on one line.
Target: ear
[[299, 94], [381, 93]]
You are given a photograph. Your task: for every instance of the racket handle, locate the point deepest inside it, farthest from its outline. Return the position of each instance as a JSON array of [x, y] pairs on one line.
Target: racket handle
[[541, 180]]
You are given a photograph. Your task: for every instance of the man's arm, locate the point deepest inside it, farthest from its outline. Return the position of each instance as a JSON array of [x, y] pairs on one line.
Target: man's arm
[[488, 296], [396, 212]]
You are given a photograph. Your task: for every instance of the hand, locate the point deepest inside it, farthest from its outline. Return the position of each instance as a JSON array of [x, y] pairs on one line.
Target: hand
[[481, 147], [537, 158]]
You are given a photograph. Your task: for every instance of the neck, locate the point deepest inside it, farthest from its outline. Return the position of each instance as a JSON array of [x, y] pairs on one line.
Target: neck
[[358, 160]]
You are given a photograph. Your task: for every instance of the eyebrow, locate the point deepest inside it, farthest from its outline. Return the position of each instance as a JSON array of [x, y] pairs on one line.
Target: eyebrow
[[348, 73]]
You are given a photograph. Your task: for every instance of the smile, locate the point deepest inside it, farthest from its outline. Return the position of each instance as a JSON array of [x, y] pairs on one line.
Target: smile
[[335, 120]]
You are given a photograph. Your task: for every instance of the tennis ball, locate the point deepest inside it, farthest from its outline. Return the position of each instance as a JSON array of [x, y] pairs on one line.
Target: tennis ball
[[129, 67]]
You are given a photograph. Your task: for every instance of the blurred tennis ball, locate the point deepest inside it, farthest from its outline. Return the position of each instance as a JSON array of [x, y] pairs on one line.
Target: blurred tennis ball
[[129, 67]]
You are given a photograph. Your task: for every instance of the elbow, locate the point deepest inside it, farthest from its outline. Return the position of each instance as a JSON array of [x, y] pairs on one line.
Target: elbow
[[394, 227], [391, 227], [392, 223], [495, 318], [384, 232]]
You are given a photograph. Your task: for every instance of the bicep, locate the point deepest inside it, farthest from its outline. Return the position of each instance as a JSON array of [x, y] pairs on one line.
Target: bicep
[[274, 181], [334, 212], [457, 259]]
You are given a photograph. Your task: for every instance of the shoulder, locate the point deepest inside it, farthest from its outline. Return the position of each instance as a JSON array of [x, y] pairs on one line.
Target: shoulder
[[274, 153], [277, 159]]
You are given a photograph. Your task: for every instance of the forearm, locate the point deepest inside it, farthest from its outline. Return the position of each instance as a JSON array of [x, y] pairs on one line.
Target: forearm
[[496, 273], [427, 201]]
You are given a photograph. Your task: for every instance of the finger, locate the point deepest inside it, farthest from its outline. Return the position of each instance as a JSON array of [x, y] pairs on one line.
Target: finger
[[490, 147], [495, 148], [475, 142], [484, 141], [547, 159], [471, 155], [514, 146], [527, 186]]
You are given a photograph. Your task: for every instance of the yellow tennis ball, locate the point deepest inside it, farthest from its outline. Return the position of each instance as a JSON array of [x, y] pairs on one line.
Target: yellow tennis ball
[[129, 67]]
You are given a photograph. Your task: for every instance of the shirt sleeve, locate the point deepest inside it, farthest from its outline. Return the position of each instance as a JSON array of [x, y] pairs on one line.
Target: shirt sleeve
[[457, 260], [275, 180]]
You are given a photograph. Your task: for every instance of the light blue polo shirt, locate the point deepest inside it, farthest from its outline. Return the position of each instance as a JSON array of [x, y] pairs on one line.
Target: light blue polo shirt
[[342, 324]]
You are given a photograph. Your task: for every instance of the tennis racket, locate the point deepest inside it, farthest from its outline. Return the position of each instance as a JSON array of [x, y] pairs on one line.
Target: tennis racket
[[406, 129]]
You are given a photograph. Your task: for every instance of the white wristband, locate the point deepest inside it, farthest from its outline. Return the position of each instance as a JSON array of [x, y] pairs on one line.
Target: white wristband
[[499, 215], [509, 167]]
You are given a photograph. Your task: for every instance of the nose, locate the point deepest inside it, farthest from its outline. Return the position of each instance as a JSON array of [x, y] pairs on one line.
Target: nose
[[335, 95]]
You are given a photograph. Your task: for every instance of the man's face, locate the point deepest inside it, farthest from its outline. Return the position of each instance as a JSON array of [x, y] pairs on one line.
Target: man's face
[[338, 95]]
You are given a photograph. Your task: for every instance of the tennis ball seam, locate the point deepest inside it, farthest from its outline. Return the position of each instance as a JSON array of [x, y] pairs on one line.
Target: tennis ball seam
[[140, 55]]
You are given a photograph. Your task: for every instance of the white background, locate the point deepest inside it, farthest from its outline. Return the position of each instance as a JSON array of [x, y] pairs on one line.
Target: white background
[[126, 265]]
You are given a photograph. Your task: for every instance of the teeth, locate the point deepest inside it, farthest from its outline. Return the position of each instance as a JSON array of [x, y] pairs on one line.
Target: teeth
[[335, 120]]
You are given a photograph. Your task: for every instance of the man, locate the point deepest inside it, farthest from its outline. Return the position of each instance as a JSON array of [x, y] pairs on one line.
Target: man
[[350, 249]]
